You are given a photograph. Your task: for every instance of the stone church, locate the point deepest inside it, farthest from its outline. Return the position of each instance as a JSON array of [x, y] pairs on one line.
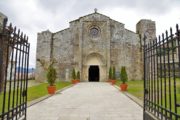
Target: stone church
[[91, 45]]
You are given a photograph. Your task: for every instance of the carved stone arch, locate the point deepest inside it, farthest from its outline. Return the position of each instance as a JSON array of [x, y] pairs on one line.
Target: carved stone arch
[[94, 59]]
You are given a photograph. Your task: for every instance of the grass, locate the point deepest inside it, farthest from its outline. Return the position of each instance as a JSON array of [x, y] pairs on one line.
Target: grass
[[136, 89], [38, 91], [34, 92]]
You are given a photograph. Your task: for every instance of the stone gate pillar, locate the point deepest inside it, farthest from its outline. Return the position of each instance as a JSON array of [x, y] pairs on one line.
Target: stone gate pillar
[[2, 55]]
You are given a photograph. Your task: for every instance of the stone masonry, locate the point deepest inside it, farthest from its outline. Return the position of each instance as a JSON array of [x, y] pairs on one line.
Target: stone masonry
[[3, 54], [94, 40]]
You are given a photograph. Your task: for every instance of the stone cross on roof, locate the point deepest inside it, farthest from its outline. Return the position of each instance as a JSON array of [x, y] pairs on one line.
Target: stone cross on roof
[[95, 10]]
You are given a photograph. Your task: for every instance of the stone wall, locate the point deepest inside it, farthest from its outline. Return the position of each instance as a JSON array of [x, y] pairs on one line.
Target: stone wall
[[3, 54], [146, 27], [96, 46], [125, 51], [63, 53], [44, 42], [2, 17], [75, 36], [76, 47]]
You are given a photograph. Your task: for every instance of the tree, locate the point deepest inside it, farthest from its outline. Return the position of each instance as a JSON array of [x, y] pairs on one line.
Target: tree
[[49, 69], [123, 75], [110, 73], [78, 75], [51, 75], [114, 73], [73, 74], [46, 64]]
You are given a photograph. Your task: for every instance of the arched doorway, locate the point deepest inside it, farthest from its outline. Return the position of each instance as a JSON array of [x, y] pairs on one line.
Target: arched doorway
[[94, 73], [94, 68]]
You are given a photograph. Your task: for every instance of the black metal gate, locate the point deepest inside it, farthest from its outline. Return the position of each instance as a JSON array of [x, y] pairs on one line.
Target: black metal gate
[[14, 61], [162, 77]]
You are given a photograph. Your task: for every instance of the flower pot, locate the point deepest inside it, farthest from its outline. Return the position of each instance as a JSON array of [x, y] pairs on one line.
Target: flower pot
[[51, 89], [113, 82], [123, 87], [77, 80], [73, 81]]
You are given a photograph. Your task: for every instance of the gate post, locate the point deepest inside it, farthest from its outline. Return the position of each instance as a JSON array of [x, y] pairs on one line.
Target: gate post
[[2, 57], [14, 48], [1, 62], [144, 49]]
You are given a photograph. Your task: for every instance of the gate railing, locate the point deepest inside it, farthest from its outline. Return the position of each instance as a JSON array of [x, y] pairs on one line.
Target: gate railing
[[162, 77], [14, 63]]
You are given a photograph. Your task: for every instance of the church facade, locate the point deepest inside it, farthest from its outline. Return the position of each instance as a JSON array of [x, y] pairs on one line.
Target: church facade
[[92, 44]]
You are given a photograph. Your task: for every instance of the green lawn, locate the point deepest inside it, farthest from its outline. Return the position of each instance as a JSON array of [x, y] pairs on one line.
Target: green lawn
[[135, 88], [35, 92]]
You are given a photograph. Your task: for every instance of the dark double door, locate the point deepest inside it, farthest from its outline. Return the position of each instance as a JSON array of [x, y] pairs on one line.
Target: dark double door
[[94, 73]]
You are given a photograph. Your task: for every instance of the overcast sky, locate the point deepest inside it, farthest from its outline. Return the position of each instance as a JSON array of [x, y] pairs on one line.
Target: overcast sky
[[33, 16]]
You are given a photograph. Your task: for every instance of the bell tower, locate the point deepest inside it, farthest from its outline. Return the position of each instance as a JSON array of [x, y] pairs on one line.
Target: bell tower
[[146, 27]]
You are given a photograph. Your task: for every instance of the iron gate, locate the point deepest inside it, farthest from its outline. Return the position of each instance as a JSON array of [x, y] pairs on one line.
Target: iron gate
[[162, 77], [14, 60]]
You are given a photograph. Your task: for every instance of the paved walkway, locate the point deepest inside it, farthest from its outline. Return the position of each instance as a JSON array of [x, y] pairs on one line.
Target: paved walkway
[[87, 101]]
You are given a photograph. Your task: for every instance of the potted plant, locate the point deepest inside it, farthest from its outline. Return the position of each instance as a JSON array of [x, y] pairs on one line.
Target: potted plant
[[124, 78], [78, 77], [113, 80], [74, 81], [110, 74], [51, 74], [51, 78]]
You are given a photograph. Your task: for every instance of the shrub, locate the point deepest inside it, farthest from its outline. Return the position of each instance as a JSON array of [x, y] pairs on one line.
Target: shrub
[[51, 75], [114, 73], [110, 73], [123, 75], [46, 64], [73, 74], [78, 75]]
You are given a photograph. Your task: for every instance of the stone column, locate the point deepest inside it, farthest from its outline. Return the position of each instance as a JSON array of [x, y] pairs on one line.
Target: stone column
[[1, 68], [81, 51], [2, 56], [108, 59], [67, 75]]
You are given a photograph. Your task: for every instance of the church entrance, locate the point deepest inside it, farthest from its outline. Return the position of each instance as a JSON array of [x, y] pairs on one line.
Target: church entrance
[[94, 73]]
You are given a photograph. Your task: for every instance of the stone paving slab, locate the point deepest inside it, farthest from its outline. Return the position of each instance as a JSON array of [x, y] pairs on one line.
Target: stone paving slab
[[87, 101]]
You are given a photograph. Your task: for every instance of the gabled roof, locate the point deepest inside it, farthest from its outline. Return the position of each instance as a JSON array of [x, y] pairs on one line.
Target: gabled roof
[[90, 15]]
